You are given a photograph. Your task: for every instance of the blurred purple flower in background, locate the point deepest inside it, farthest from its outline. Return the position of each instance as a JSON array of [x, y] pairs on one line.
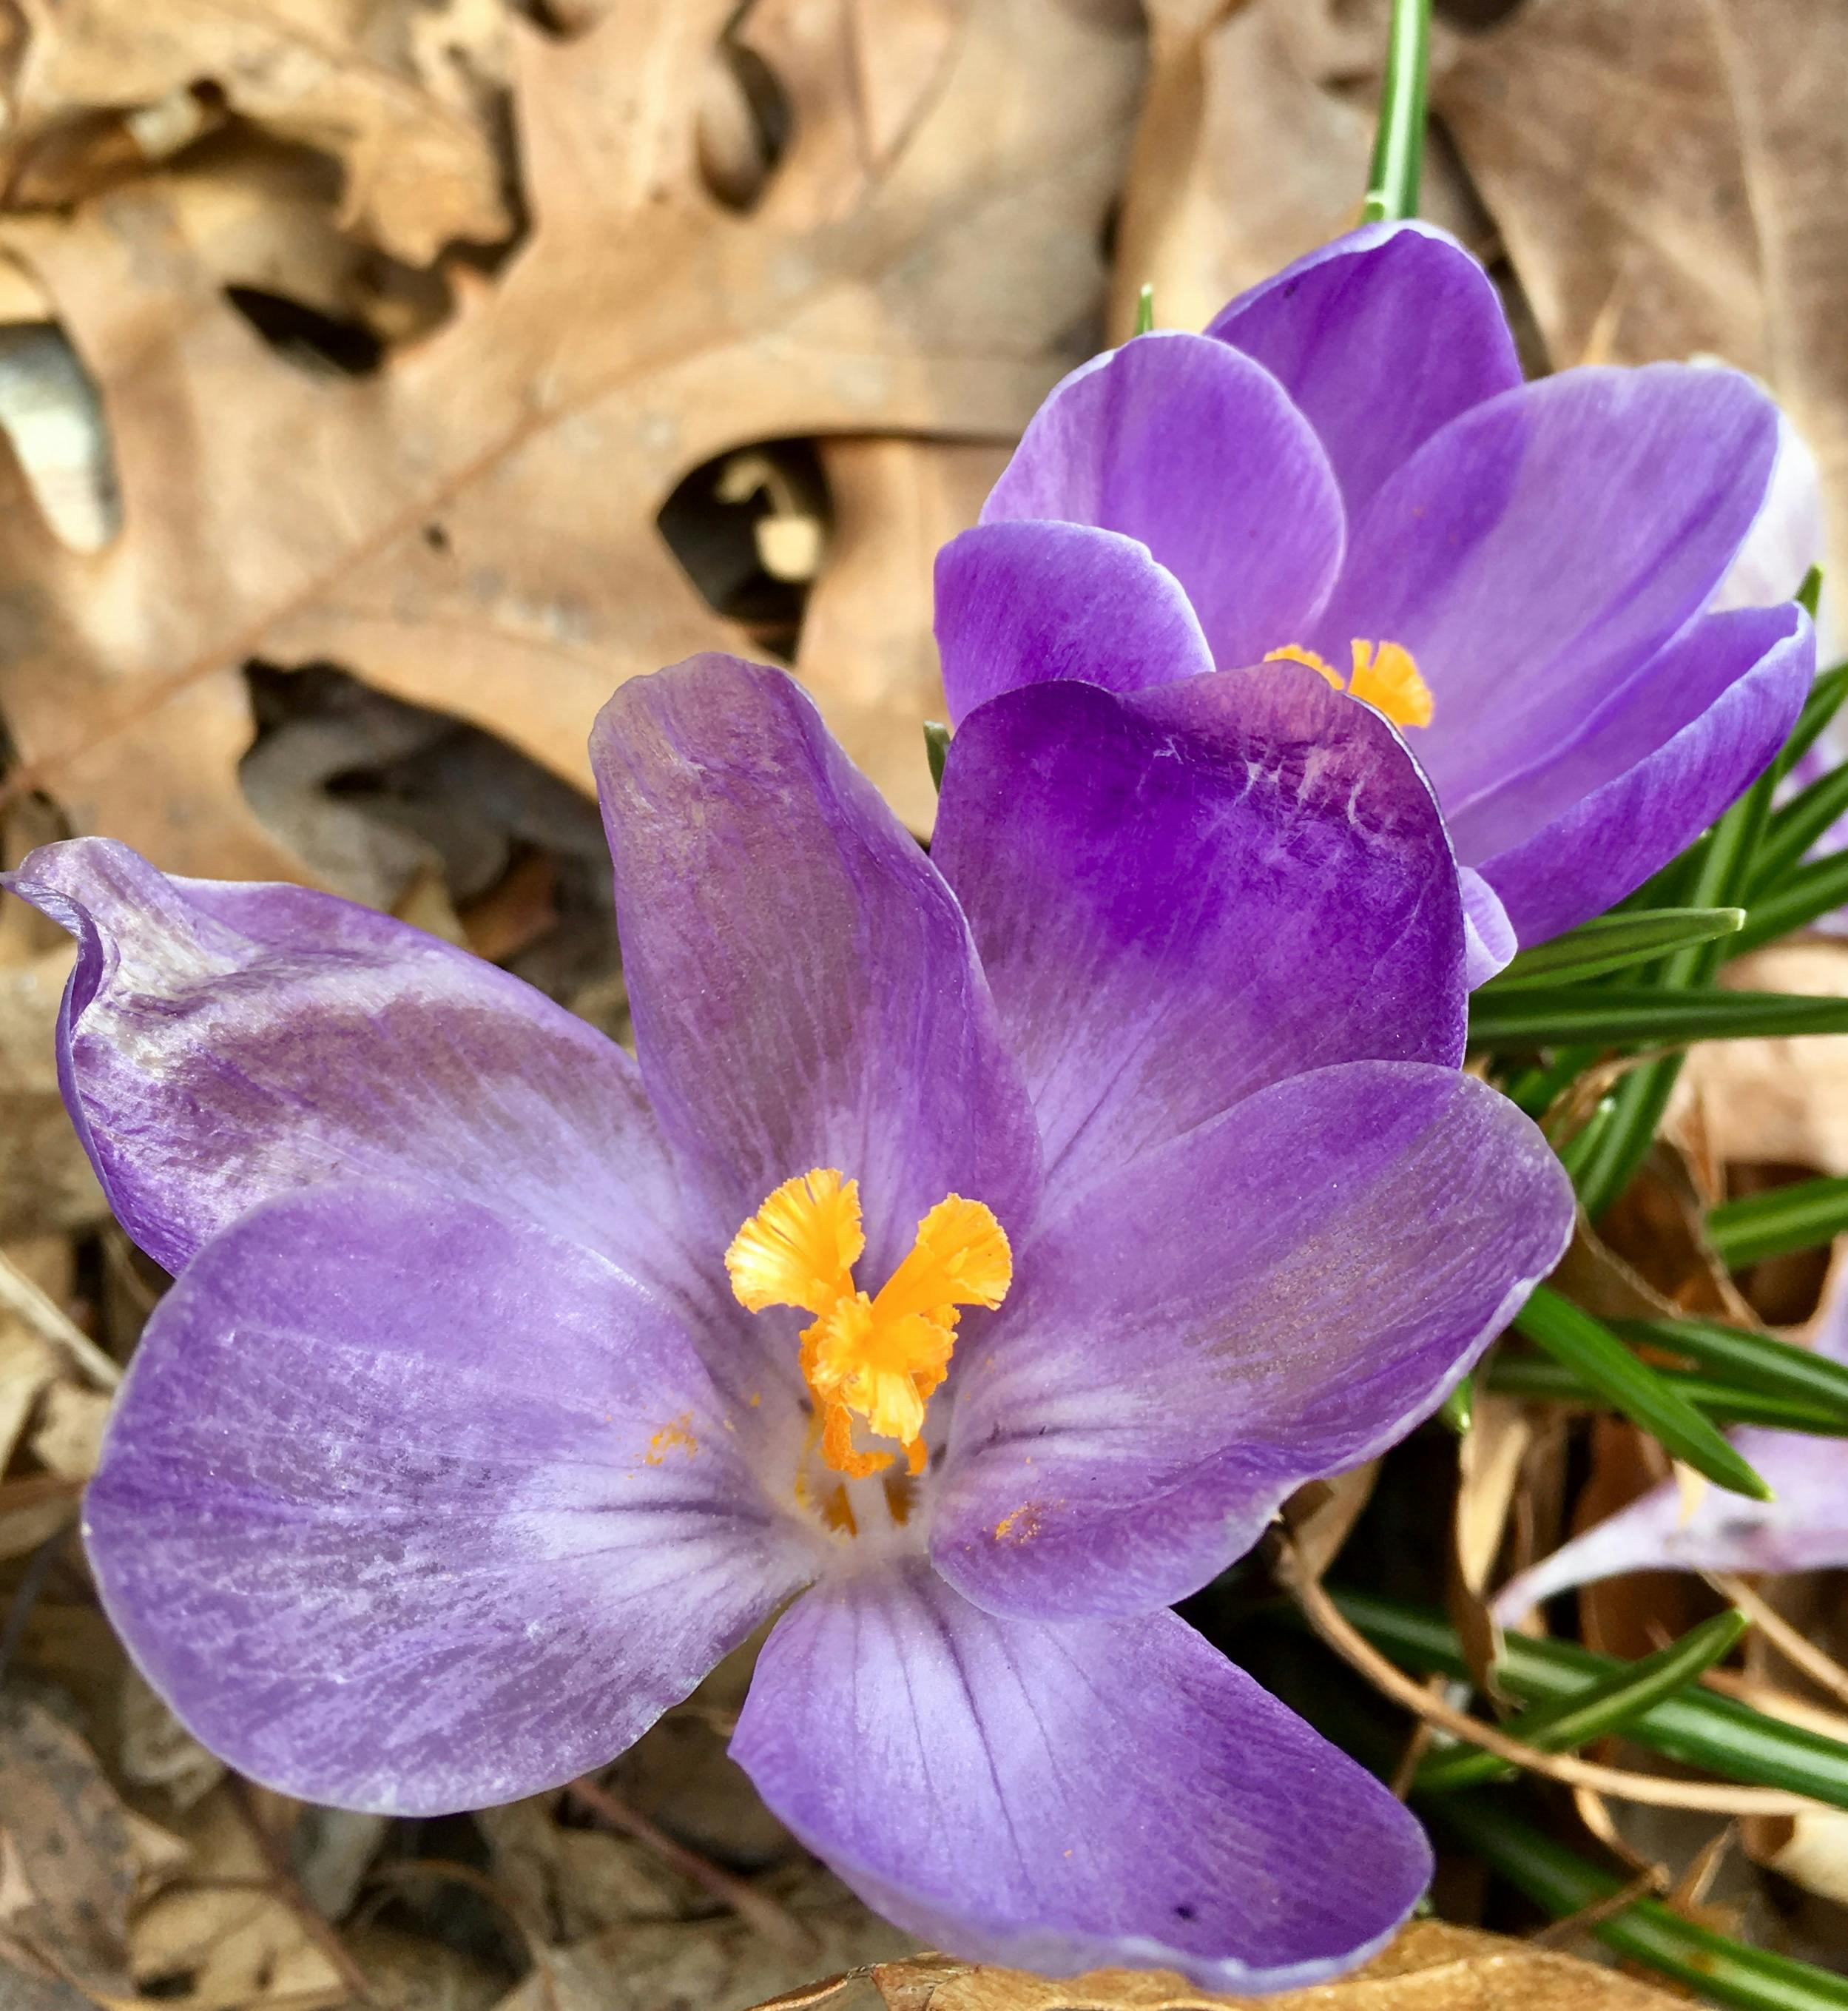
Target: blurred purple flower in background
[[1347, 469], [1094, 1181]]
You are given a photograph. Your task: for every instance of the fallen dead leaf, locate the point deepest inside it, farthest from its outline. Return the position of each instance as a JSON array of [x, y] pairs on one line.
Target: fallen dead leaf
[[45, 1180], [1432, 1966]]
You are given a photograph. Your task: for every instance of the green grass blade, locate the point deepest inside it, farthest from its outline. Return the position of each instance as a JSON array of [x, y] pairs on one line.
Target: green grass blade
[[1797, 1217], [1699, 1727], [1399, 144], [1810, 891], [1794, 828], [1753, 1361], [1640, 1015], [1605, 1706], [1720, 1402], [1646, 1931], [1609, 942], [1824, 701], [1589, 1348], [936, 750]]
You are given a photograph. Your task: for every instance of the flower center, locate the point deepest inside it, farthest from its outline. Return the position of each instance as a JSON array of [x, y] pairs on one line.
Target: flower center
[[876, 1359], [1384, 674]]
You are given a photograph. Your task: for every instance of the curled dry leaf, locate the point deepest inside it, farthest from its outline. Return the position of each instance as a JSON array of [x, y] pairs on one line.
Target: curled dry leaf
[[403, 95], [472, 527], [1431, 1966], [46, 1183]]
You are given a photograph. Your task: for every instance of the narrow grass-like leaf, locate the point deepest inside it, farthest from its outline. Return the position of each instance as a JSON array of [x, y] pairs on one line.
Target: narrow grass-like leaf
[[1824, 701], [1145, 310], [1810, 891], [1399, 144], [1609, 942], [1646, 1931], [1640, 1016], [1697, 1727], [936, 750], [1796, 826], [1605, 1706], [1797, 1217], [1458, 1409], [1591, 1350], [1752, 1360], [1720, 1402]]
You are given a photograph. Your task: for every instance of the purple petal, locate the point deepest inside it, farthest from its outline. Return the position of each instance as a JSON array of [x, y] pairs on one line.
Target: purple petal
[[223, 1044], [1489, 935], [1184, 894], [1381, 338], [1280, 1295], [1020, 604], [804, 988], [1805, 1527], [1195, 451], [1686, 736], [407, 1506], [1539, 549], [1059, 1798], [1787, 540]]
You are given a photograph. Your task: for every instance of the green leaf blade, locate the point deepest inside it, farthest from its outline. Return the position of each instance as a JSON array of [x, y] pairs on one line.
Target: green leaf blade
[[1798, 1217], [1642, 1016], [1610, 943]]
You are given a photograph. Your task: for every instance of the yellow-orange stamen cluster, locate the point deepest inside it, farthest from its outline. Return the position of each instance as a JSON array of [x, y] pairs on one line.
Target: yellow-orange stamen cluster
[[877, 1359], [1383, 674]]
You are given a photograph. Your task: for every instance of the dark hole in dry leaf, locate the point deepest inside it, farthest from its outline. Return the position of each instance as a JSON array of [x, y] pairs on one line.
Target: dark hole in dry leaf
[[744, 125], [306, 336], [1476, 13], [749, 527]]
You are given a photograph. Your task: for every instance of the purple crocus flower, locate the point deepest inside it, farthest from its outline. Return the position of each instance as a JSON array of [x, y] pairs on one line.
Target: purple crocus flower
[[982, 1247], [1347, 469], [1804, 1527]]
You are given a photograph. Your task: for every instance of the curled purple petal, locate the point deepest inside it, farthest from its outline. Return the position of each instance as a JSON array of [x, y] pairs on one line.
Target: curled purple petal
[[1380, 338], [1194, 450], [1182, 895], [1020, 604], [1280, 1294], [407, 1507], [1537, 551], [1059, 1798], [1489, 938], [1689, 734], [223, 1044], [804, 988]]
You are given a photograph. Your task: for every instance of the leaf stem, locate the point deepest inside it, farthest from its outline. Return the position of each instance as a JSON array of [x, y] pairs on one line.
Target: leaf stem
[[1399, 145]]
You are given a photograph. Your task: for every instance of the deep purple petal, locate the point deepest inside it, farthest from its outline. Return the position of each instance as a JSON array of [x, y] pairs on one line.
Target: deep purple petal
[[222, 1044], [1688, 734], [1380, 338], [1196, 450], [804, 988], [1537, 551], [1061, 1798], [1020, 604], [1280, 1295], [1805, 1527], [407, 1506], [1182, 895]]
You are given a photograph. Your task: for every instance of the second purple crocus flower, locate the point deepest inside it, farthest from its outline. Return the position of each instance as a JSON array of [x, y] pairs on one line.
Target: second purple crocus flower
[[1348, 470], [984, 1246]]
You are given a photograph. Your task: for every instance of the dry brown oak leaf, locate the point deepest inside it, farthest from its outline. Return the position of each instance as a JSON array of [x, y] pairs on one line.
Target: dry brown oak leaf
[[473, 527]]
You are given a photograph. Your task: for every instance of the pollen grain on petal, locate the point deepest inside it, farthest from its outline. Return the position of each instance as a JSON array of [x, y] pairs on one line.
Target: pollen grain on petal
[[674, 1437], [800, 1246], [1387, 677]]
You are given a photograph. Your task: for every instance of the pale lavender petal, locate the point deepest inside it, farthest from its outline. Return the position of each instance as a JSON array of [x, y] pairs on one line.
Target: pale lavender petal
[[1489, 935], [1380, 338], [1063, 1798], [804, 988], [1280, 1295], [1020, 604], [1685, 737], [222, 1044], [407, 1506], [1805, 1527], [1537, 551], [1197, 451], [1182, 895]]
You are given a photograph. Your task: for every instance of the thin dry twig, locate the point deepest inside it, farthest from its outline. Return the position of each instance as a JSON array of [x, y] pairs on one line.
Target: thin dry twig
[[1644, 1886], [762, 1912], [287, 1888], [19, 1295], [1333, 1627], [1796, 1647]]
